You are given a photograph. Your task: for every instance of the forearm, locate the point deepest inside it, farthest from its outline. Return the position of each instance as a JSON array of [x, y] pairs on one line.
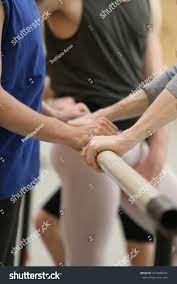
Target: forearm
[[159, 114], [48, 110], [135, 105], [158, 143], [52, 112], [131, 106], [18, 118]]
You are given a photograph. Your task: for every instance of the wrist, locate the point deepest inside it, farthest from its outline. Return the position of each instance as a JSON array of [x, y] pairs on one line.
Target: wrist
[[139, 132], [49, 111], [99, 113], [125, 142], [72, 136], [64, 132], [54, 114], [104, 112], [131, 135]]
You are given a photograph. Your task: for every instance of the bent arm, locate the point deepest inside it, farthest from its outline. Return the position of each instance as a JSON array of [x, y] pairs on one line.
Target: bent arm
[[158, 143], [136, 104], [19, 118], [162, 111]]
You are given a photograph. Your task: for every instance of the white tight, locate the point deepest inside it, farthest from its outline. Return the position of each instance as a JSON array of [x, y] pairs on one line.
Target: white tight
[[90, 202]]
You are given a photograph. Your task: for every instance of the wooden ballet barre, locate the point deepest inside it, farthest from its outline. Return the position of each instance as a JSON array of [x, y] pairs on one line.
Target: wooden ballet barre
[[161, 210]]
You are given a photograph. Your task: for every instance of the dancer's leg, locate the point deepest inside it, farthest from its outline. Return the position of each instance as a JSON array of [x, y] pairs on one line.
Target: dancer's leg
[[51, 237], [136, 236], [90, 204]]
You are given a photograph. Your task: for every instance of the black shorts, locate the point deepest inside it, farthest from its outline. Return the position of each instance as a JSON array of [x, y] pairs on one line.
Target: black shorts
[[132, 231], [9, 218]]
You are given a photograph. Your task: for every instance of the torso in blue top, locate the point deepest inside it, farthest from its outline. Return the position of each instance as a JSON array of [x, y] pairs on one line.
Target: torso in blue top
[[23, 73]]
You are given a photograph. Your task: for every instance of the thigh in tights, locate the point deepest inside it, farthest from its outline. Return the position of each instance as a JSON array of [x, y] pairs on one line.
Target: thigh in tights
[[90, 202]]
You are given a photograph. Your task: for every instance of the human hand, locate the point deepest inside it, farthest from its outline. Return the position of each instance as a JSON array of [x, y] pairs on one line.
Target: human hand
[[61, 103], [120, 144], [86, 119], [81, 135], [71, 111]]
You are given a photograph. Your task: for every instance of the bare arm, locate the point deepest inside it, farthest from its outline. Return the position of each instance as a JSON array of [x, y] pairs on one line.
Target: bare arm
[[131, 106], [135, 104], [162, 111], [20, 119], [164, 108], [158, 143]]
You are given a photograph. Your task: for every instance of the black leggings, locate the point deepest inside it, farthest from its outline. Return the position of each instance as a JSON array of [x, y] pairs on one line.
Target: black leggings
[[9, 217]]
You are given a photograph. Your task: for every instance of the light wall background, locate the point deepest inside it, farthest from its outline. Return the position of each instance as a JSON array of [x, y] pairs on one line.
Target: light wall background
[[169, 44], [169, 31]]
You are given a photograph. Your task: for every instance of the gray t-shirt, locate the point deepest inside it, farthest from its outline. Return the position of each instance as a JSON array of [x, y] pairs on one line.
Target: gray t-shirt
[[167, 80], [103, 61]]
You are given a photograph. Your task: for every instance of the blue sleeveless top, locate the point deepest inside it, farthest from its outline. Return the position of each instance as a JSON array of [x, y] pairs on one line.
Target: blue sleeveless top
[[23, 74]]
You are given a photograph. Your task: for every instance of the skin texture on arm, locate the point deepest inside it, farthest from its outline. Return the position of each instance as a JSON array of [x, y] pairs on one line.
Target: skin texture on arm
[[131, 106], [137, 103], [134, 105], [20, 119], [70, 111], [62, 108], [153, 44], [160, 113], [158, 143]]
